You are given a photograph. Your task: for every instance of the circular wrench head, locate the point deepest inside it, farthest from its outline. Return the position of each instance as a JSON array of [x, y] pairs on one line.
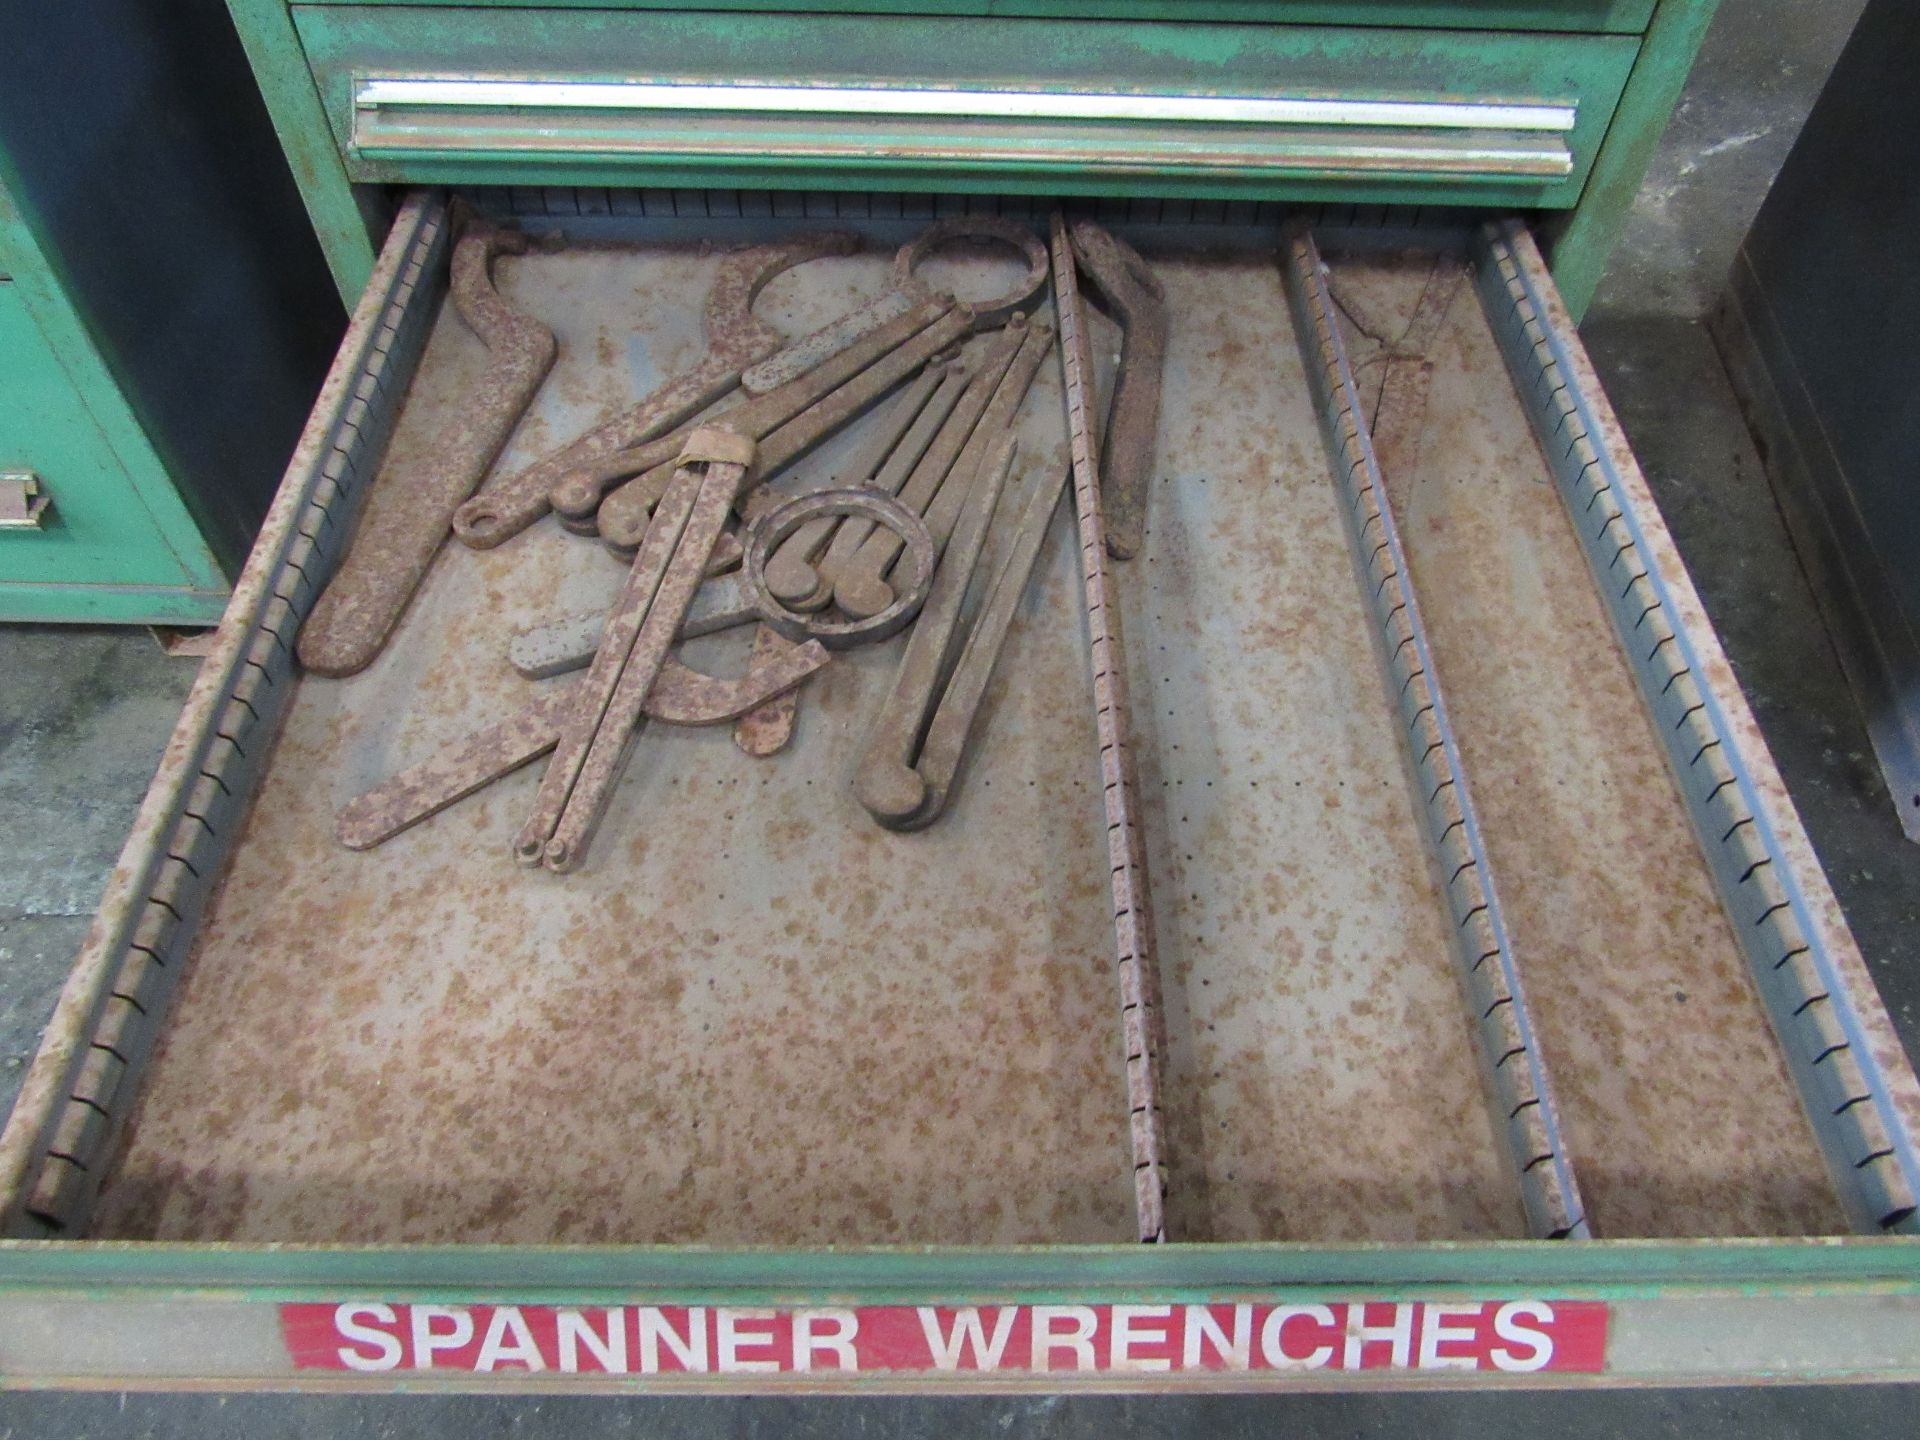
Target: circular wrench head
[[988, 314], [877, 506]]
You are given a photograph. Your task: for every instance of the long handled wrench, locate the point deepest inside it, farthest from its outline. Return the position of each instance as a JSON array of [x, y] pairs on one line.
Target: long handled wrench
[[887, 783], [925, 474], [652, 607], [396, 542], [952, 724], [791, 420], [679, 696], [578, 495], [736, 338], [861, 589], [767, 730], [567, 642], [790, 570]]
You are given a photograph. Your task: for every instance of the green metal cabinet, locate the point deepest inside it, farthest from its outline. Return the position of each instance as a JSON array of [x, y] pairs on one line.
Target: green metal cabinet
[[165, 317], [1549, 106], [110, 538]]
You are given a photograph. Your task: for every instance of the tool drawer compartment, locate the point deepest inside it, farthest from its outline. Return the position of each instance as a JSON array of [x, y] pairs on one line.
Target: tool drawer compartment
[[428, 94], [1206, 949]]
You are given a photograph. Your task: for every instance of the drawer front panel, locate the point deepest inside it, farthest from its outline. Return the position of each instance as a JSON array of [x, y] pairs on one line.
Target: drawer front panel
[[1621, 17], [518, 96], [95, 530]]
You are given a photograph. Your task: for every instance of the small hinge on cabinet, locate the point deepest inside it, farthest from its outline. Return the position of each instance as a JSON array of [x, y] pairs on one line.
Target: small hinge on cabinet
[[22, 504]]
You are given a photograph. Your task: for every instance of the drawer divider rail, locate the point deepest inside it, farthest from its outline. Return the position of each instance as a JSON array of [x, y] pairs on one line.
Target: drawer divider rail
[[1845, 1059], [1519, 1091], [1142, 1018], [86, 1078]]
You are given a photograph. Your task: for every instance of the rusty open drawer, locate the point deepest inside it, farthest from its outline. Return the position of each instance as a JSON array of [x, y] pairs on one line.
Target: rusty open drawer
[[754, 1020]]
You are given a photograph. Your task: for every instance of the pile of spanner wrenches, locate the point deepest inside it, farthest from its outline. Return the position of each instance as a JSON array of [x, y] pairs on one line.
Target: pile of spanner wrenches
[[661, 483]]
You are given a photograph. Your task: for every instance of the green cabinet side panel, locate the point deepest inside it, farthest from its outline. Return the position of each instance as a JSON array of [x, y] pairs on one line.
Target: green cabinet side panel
[[346, 43], [124, 524], [117, 542], [1620, 17], [287, 86], [100, 553], [1579, 243]]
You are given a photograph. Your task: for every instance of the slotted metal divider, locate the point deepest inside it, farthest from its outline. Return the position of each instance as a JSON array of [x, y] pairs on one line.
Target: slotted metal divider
[[1804, 962], [1142, 1017], [1514, 1071], [87, 1075]]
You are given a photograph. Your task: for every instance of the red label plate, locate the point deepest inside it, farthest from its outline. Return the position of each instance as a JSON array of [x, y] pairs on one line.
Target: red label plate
[[1493, 1337]]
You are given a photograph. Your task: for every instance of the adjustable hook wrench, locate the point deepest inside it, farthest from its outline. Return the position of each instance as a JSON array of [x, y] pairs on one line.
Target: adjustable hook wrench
[[396, 544], [736, 338]]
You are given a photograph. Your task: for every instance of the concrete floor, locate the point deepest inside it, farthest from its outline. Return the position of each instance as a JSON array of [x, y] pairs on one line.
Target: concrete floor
[[83, 716]]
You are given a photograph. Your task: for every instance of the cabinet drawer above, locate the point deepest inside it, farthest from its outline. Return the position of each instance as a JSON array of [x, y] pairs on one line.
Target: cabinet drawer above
[[1624, 17], [422, 94]]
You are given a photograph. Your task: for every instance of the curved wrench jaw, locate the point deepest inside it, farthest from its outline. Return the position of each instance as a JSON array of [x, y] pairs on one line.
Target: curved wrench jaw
[[1127, 450], [736, 338]]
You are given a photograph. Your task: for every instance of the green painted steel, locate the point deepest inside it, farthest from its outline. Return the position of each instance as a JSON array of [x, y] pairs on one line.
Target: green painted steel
[[118, 543], [351, 42], [90, 531], [287, 86], [819, 178], [1614, 141], [1603, 1269], [36, 602], [1579, 244], [1621, 17]]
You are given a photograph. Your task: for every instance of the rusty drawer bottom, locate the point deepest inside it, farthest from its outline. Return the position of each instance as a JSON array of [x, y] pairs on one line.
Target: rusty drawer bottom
[[755, 1020]]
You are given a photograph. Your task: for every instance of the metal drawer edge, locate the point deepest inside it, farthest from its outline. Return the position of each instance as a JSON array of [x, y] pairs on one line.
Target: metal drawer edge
[[85, 1077], [1859, 1092]]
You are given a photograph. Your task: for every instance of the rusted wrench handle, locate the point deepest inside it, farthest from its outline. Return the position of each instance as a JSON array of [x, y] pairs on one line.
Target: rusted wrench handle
[[861, 588], [736, 338], [1133, 415], [567, 642], [909, 290], [578, 494], [829, 340], [887, 783], [952, 724], [928, 472], [396, 543], [791, 567], [804, 581], [721, 461], [630, 612], [803, 411], [680, 696]]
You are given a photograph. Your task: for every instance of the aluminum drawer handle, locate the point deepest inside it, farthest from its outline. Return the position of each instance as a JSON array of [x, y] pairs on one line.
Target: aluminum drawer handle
[[756, 98]]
